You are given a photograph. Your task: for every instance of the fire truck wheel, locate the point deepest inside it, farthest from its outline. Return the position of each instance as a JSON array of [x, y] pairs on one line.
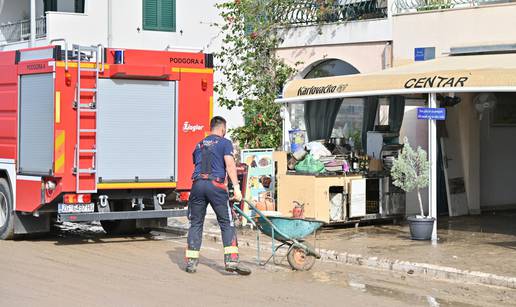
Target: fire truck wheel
[[6, 211]]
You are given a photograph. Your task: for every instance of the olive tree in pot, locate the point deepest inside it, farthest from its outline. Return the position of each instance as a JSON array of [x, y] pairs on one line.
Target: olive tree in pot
[[410, 171]]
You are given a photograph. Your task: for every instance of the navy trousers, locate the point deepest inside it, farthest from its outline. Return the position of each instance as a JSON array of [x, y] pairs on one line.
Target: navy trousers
[[214, 193]]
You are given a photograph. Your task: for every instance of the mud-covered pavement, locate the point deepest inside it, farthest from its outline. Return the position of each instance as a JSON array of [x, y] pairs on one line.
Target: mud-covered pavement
[[83, 267]]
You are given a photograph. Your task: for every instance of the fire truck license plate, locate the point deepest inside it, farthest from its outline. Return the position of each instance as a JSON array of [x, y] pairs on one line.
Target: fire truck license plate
[[75, 208]]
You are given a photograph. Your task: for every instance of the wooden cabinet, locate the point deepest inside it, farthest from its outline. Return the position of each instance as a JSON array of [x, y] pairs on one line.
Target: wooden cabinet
[[312, 191]]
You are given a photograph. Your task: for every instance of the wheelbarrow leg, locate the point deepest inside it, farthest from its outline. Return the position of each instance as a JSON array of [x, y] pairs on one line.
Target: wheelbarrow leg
[[290, 247], [272, 248], [258, 249], [273, 253]]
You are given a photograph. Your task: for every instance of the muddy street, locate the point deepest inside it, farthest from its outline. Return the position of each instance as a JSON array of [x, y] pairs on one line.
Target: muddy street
[[82, 266]]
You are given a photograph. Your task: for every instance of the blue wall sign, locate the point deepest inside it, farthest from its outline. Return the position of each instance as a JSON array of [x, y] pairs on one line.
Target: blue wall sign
[[424, 54], [431, 113]]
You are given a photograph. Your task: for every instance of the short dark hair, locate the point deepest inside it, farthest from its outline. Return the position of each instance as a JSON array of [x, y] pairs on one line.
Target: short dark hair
[[217, 121]]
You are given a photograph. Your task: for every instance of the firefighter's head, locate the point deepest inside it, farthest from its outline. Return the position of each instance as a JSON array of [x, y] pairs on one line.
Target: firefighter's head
[[218, 125]]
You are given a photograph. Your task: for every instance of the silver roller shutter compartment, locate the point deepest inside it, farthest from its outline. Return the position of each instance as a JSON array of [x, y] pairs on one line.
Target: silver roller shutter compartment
[[136, 130], [36, 124]]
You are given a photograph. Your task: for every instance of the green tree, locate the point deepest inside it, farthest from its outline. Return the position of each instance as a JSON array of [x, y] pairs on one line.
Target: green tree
[[410, 171], [252, 72]]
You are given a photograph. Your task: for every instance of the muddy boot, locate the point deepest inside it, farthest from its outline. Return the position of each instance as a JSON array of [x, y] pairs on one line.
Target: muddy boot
[[191, 265], [235, 266]]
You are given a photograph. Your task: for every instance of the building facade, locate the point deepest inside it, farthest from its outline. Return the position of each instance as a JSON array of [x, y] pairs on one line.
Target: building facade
[[136, 24], [327, 38], [368, 36], [479, 145]]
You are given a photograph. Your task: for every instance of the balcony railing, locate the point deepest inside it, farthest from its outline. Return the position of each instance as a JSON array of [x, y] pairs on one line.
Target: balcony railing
[[406, 6], [317, 12], [20, 30]]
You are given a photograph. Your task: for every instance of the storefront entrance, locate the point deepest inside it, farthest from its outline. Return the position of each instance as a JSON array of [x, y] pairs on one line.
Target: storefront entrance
[[475, 141]]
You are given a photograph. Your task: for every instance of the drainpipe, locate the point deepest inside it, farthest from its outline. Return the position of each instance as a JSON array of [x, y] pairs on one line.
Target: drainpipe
[[109, 24], [32, 23]]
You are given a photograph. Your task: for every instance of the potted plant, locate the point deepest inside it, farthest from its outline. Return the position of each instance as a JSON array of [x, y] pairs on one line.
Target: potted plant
[[410, 171]]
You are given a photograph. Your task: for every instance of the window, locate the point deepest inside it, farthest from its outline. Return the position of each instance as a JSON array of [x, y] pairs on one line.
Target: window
[[330, 68], [348, 123], [159, 15], [69, 6]]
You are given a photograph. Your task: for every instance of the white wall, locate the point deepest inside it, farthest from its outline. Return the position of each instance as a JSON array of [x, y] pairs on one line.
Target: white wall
[[469, 134], [361, 31], [452, 28], [89, 28], [194, 19], [365, 57], [497, 166]]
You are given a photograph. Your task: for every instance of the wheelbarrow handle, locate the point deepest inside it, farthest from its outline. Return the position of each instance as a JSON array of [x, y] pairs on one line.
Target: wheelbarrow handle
[[267, 220], [263, 216], [247, 217]]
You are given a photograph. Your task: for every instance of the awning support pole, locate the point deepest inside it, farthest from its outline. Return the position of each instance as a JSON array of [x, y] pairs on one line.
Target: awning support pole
[[432, 154], [285, 114]]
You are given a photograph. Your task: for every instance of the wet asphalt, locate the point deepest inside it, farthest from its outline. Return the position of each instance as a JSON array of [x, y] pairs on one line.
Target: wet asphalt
[[79, 264]]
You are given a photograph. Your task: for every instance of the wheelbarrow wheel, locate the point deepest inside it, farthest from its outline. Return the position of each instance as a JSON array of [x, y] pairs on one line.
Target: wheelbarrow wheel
[[298, 258]]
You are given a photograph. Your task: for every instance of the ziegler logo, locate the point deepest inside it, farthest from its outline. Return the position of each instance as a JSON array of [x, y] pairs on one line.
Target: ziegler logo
[[186, 61], [327, 89], [187, 127]]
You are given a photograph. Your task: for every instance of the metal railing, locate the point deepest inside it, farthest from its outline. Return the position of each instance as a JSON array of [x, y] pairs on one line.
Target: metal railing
[[407, 6], [317, 12], [20, 30]]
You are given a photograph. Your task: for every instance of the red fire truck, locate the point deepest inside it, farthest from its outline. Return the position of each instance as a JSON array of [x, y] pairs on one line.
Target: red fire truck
[[89, 133]]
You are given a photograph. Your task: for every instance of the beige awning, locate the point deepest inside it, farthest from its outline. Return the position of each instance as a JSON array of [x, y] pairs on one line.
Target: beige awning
[[475, 73]]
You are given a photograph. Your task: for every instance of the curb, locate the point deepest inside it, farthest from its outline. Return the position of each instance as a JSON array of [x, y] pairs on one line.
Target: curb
[[411, 268]]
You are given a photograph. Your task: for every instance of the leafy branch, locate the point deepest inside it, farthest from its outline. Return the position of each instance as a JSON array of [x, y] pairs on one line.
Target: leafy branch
[[252, 72]]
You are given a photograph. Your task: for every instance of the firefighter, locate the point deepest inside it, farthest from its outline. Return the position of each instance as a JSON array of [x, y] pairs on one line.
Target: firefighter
[[213, 158]]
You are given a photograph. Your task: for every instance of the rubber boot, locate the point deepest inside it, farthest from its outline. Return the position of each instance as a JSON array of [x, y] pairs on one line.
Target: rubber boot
[[234, 265], [191, 265], [238, 267]]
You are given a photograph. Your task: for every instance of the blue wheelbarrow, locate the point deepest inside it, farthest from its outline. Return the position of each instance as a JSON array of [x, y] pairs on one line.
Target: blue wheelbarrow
[[288, 231]]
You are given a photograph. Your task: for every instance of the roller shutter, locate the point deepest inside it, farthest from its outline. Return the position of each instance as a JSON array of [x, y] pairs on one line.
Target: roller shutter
[[136, 130], [36, 124]]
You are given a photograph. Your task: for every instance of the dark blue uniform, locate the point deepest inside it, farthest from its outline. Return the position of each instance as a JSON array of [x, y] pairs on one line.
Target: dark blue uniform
[[208, 187]]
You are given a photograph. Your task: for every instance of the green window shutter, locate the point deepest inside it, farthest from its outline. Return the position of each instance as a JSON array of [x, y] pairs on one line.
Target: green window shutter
[[167, 15], [150, 15]]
